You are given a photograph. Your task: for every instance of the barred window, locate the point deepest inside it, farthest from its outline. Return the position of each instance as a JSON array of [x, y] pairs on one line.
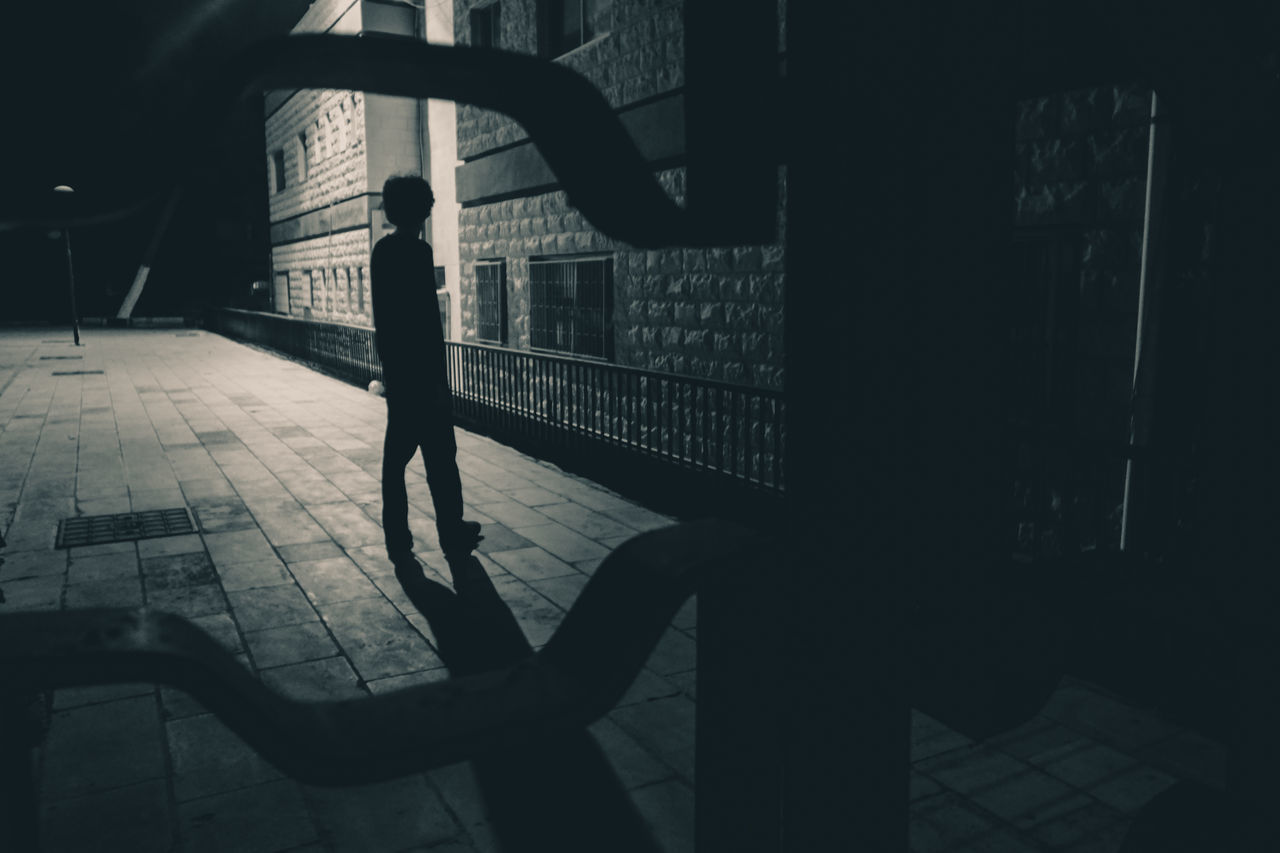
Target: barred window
[[491, 301], [570, 303]]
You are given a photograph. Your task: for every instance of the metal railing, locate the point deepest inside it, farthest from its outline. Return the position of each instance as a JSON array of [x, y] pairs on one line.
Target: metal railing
[[697, 424], [603, 418], [343, 349]]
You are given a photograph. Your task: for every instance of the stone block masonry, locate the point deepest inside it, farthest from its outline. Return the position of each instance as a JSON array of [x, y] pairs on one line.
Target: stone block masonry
[[328, 277], [640, 55], [715, 313], [328, 152], [322, 135]]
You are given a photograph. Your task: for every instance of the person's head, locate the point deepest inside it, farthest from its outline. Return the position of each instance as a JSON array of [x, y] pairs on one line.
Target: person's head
[[407, 201]]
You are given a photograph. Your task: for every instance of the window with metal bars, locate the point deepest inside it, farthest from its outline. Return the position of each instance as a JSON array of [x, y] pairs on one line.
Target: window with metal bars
[[491, 301], [570, 305]]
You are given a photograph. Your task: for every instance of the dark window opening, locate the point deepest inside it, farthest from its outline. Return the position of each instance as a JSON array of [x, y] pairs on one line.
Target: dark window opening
[[570, 306], [491, 301], [302, 157], [566, 24], [484, 26], [277, 162], [445, 304], [281, 296]]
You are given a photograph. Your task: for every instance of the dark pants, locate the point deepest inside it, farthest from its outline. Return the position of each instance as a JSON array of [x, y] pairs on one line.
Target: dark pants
[[414, 423]]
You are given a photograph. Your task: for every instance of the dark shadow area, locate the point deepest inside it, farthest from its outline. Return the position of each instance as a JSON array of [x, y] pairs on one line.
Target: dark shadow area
[[559, 794]]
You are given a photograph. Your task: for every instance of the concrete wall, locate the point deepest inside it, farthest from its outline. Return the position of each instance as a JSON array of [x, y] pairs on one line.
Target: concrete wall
[[443, 147], [395, 146]]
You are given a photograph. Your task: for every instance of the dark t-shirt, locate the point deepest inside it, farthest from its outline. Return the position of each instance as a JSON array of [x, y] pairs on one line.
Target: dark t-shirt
[[406, 316]]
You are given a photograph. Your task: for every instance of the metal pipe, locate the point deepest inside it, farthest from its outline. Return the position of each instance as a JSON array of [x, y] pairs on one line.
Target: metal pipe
[[71, 288]]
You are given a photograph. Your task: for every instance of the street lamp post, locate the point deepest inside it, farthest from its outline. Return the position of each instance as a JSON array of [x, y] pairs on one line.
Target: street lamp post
[[71, 276]]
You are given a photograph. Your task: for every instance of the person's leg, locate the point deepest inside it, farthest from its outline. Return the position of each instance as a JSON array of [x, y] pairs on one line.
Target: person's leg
[[398, 448], [439, 453]]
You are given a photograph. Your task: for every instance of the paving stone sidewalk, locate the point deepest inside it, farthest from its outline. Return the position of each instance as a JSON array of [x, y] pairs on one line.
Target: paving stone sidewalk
[[279, 466]]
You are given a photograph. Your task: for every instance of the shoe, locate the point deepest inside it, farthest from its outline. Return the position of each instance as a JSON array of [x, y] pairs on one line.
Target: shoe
[[461, 542]]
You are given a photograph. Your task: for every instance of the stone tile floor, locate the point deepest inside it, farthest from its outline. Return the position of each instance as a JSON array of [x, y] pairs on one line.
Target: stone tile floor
[[280, 465]]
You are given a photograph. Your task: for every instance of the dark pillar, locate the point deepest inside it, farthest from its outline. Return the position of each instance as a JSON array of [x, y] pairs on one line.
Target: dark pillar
[[732, 112], [1242, 464], [900, 143], [19, 806]]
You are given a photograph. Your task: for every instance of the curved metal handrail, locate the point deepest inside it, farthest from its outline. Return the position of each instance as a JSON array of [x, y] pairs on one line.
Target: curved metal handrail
[[574, 679], [569, 121]]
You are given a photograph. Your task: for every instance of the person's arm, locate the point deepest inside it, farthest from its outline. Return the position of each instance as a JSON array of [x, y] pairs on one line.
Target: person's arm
[[393, 324], [376, 300], [435, 336]]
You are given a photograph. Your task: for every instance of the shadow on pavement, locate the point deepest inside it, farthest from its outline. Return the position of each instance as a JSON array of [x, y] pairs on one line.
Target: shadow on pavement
[[561, 794]]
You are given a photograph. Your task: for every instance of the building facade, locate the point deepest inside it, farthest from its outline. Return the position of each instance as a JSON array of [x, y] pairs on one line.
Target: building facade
[[536, 276], [328, 154]]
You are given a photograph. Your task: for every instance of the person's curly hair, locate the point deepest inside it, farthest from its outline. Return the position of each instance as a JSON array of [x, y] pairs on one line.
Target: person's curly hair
[[407, 200]]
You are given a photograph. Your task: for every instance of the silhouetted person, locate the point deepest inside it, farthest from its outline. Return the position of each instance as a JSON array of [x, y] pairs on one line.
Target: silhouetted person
[[410, 344]]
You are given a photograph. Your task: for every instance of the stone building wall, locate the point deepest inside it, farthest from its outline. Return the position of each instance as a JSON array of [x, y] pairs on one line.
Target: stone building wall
[[322, 134], [328, 276], [333, 126], [714, 313], [337, 149], [641, 55]]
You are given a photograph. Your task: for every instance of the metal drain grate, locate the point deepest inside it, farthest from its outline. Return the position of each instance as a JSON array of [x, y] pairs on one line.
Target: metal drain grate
[[123, 527], [61, 357], [75, 372]]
